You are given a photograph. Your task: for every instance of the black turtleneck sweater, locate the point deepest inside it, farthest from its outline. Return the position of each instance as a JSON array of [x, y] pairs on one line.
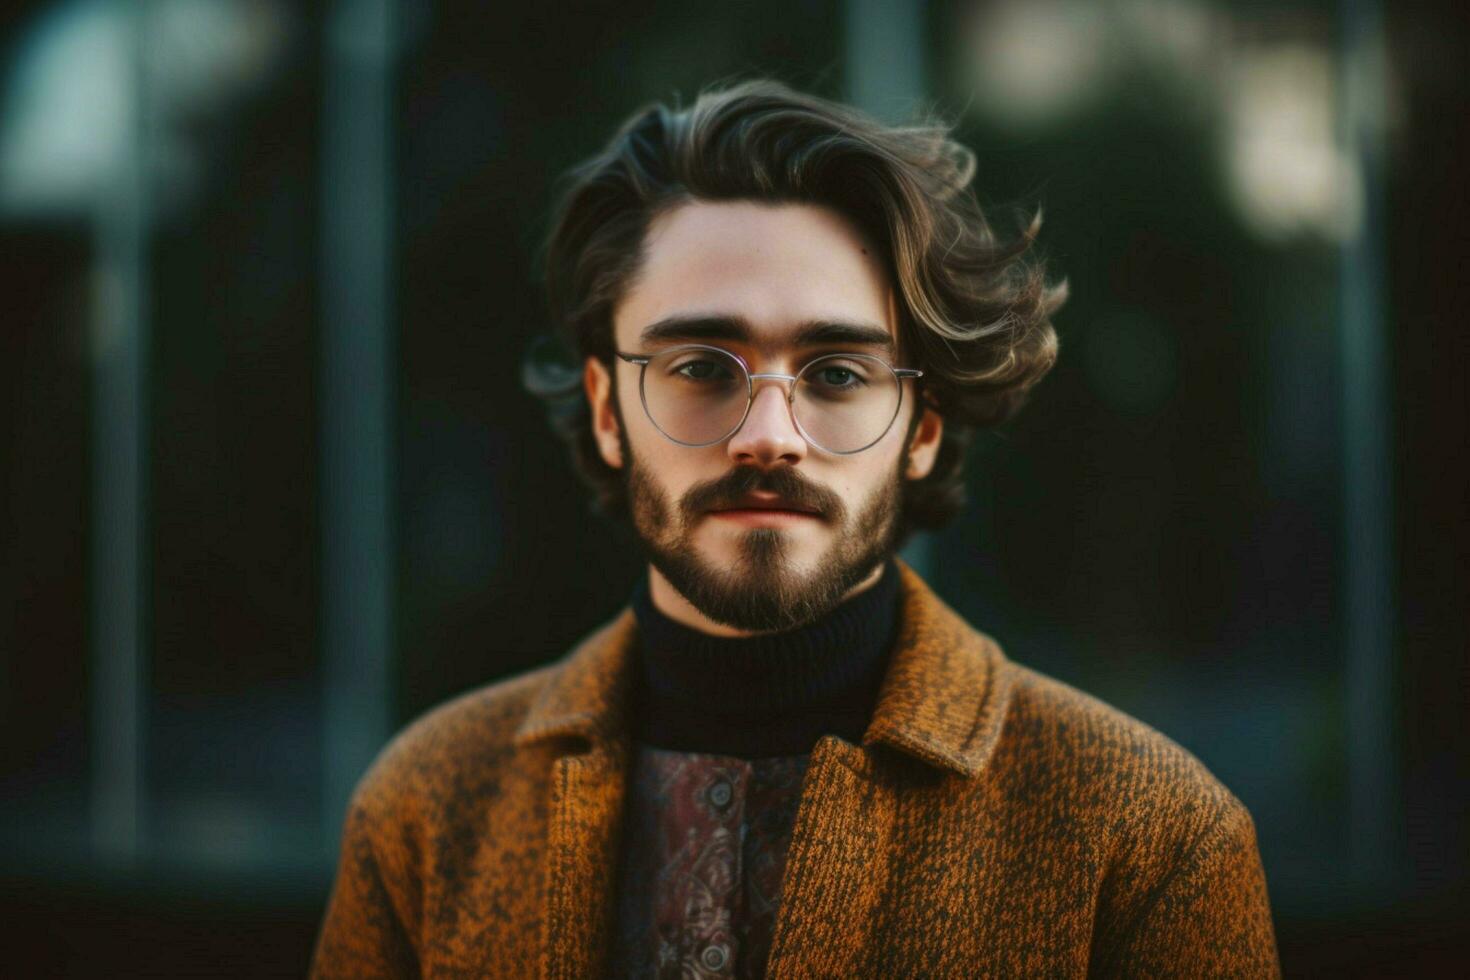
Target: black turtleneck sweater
[[769, 695]]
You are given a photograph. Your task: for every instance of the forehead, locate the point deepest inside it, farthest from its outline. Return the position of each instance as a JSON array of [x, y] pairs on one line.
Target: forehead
[[775, 270]]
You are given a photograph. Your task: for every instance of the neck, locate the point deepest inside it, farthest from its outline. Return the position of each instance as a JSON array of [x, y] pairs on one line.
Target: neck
[[671, 602]]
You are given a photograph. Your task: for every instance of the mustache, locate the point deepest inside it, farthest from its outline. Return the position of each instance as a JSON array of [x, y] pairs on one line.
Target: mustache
[[784, 482]]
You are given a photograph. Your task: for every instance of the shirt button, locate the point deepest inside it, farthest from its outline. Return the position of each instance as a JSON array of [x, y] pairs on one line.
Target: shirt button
[[714, 957], [719, 795]]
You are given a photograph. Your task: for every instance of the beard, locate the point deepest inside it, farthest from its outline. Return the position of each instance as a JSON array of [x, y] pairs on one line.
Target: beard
[[763, 591]]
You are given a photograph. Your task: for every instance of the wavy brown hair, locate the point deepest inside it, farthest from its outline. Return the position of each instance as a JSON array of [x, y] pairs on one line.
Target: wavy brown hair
[[974, 310]]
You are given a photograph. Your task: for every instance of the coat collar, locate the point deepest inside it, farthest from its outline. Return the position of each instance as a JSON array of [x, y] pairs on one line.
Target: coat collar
[[943, 701]]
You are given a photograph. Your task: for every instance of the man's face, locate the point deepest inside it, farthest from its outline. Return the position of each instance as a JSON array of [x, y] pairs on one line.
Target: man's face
[[760, 531]]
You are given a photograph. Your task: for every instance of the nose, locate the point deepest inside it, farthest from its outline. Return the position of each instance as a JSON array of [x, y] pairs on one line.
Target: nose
[[768, 436]]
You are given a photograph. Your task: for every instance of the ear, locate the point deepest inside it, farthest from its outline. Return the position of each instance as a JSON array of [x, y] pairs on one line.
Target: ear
[[924, 446], [598, 384]]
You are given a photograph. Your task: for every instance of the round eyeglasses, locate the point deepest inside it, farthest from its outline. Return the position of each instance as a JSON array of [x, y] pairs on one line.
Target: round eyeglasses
[[698, 395]]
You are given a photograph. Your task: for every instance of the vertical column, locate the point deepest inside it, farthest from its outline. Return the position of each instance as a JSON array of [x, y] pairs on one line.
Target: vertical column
[[1369, 583], [119, 478], [357, 402], [884, 54]]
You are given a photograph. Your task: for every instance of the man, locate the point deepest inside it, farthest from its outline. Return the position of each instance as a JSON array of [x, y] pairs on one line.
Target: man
[[788, 757]]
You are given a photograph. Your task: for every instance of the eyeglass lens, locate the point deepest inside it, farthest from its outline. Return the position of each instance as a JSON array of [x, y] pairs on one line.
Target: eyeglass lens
[[843, 402]]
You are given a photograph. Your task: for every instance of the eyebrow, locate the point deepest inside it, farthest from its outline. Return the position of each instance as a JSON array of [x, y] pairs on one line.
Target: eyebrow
[[813, 333]]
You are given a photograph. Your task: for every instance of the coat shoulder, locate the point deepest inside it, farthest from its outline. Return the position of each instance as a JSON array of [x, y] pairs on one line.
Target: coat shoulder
[[461, 739], [1099, 756], [1178, 881]]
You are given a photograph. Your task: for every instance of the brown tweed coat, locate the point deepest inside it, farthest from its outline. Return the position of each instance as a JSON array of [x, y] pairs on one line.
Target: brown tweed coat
[[993, 822]]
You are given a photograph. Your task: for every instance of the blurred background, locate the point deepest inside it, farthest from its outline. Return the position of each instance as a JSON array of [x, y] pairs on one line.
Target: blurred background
[[271, 487]]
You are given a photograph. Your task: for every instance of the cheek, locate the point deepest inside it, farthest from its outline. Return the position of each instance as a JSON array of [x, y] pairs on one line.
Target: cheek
[[874, 469], [626, 405], [670, 468], [862, 494], [637, 435]]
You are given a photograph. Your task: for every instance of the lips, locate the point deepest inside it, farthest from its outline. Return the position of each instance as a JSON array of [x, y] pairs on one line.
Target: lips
[[767, 503]]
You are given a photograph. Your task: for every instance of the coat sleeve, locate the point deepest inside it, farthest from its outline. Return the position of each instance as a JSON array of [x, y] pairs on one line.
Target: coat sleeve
[[363, 934], [1209, 916]]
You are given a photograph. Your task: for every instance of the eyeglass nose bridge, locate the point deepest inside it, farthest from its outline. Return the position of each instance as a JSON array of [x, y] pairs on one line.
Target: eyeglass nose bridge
[[755, 376], [790, 393]]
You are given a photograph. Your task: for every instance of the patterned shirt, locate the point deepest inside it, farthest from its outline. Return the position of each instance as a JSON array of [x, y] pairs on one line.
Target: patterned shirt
[[700, 874]]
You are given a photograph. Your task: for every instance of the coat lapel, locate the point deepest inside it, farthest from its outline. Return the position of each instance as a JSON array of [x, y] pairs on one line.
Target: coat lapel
[[945, 697], [581, 852], [941, 708], [582, 708], [835, 868]]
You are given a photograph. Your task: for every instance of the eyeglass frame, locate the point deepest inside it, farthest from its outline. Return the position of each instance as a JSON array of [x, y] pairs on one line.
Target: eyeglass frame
[[642, 360]]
